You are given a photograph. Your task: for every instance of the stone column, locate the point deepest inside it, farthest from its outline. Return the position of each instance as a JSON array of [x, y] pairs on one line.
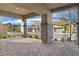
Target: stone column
[[25, 27], [78, 26], [46, 29]]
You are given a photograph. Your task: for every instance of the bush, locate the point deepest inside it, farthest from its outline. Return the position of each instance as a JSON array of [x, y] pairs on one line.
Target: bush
[[36, 37], [4, 37], [62, 40], [55, 40], [68, 39], [14, 36], [30, 36], [9, 36]]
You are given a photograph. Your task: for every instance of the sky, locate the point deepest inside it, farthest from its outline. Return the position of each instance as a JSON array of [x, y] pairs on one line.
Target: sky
[[15, 21], [65, 15], [30, 21], [6, 20], [33, 20]]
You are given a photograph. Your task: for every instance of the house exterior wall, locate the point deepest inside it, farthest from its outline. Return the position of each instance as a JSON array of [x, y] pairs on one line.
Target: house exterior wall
[[3, 30], [58, 30], [34, 31]]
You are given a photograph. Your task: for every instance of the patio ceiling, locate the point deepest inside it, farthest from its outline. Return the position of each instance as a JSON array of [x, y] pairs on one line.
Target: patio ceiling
[[19, 9], [55, 5]]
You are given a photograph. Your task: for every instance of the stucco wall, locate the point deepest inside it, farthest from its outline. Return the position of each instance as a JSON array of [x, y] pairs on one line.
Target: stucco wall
[[3, 29]]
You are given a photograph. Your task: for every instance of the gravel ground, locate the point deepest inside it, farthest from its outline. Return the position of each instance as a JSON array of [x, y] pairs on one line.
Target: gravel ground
[[28, 47]]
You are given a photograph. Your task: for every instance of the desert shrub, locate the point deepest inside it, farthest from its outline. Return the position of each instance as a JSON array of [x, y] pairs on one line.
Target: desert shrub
[[9, 36], [4, 37], [55, 39], [30, 36], [62, 39], [68, 39], [14, 36], [36, 37]]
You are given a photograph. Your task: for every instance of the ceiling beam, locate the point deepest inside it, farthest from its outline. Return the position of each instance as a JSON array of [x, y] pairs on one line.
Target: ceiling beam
[[30, 15], [65, 7], [9, 14]]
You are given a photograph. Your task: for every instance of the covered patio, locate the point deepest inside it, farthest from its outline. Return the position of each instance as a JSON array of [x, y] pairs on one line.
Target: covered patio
[[24, 45], [25, 11]]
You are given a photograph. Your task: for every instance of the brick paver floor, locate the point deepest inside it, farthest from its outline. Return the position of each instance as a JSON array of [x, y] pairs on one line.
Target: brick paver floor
[[26, 47]]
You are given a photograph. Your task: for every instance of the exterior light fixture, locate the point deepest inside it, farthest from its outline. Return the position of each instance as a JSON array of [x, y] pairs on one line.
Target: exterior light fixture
[[17, 8]]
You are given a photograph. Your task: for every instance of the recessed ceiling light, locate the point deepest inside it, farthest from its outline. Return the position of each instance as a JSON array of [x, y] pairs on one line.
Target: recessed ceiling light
[[17, 8]]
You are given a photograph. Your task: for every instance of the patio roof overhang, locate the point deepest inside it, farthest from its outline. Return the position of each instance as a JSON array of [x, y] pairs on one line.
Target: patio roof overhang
[[64, 7], [25, 10], [18, 10]]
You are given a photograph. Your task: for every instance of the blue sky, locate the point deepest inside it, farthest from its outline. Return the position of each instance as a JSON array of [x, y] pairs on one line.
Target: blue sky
[[33, 20], [10, 20], [65, 16], [15, 21]]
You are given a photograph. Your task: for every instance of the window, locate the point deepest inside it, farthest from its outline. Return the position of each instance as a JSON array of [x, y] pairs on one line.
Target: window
[[29, 29]]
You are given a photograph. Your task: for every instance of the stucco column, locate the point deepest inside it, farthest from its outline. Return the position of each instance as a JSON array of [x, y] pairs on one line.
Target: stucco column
[[78, 25], [24, 27], [46, 29]]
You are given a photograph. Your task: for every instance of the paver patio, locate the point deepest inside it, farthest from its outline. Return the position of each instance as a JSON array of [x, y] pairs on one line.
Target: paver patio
[[30, 47]]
